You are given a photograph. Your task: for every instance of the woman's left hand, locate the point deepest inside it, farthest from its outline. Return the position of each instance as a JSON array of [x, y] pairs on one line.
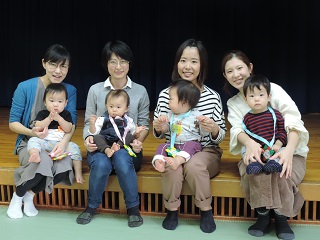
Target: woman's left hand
[[285, 156], [136, 146]]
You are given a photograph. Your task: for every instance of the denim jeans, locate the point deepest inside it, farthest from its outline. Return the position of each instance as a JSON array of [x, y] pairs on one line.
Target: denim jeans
[[101, 166]]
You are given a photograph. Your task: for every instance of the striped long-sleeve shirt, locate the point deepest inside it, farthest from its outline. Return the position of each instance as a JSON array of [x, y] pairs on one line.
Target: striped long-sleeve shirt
[[262, 124], [209, 105]]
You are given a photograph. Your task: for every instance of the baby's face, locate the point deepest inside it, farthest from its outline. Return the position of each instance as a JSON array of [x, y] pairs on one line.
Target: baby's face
[[117, 106], [257, 99], [56, 101]]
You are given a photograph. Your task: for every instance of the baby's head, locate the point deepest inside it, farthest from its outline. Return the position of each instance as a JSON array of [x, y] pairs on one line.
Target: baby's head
[[117, 102], [184, 95], [55, 97], [256, 90]]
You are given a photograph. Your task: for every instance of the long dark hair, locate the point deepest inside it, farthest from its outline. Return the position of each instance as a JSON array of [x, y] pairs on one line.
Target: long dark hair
[[203, 60]]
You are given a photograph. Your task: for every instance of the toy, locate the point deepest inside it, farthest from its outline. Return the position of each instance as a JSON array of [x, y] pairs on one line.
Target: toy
[[172, 151], [62, 156], [267, 152], [129, 150]]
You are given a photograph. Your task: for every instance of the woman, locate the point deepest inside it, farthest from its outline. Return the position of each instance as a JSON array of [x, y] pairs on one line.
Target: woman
[[265, 192], [116, 59], [191, 63], [27, 101]]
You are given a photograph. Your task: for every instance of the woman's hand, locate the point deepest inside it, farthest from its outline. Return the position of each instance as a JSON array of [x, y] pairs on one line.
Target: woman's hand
[[285, 156], [136, 146], [90, 145], [208, 125], [40, 133], [253, 152], [59, 149]]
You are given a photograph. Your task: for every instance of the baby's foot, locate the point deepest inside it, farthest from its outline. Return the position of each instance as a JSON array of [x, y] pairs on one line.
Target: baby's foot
[[115, 147], [254, 168], [175, 162], [109, 152], [160, 165], [272, 166], [34, 157]]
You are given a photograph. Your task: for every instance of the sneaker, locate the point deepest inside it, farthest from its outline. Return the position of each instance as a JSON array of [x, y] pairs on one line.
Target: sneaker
[[86, 216]]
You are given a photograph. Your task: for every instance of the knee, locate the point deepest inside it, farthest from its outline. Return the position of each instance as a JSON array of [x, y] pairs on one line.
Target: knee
[[72, 147], [123, 162], [100, 166]]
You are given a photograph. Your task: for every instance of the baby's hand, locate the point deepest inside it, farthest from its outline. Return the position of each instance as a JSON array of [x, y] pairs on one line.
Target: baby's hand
[[163, 119], [93, 119], [276, 148], [54, 115], [161, 124], [140, 129], [202, 118]]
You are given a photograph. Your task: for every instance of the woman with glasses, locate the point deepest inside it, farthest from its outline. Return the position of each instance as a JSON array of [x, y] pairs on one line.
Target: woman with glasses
[[191, 64], [116, 59], [32, 178]]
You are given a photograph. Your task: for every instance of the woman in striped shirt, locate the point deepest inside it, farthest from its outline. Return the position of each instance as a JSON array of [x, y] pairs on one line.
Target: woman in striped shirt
[[191, 63]]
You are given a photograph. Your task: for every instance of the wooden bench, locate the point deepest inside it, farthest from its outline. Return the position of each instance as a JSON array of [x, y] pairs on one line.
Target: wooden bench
[[228, 198]]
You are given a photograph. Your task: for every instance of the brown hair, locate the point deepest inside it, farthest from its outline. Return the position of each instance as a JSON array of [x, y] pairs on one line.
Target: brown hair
[[228, 56]]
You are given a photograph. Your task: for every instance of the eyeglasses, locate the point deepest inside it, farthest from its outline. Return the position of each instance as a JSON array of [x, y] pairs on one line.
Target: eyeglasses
[[54, 66], [122, 63]]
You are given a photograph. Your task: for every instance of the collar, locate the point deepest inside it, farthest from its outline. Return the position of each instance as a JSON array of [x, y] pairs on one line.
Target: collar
[[107, 83]]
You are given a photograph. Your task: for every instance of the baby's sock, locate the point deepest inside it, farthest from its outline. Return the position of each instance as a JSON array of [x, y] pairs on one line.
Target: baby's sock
[[14, 210], [28, 206], [272, 166], [254, 168]]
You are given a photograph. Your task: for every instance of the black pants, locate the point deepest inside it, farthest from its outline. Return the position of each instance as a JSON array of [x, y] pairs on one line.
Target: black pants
[[38, 183]]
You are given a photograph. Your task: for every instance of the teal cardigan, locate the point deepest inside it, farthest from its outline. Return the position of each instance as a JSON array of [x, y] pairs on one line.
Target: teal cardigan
[[23, 100]]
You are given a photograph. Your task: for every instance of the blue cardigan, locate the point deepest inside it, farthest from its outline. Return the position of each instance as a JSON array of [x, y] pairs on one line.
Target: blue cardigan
[[23, 100]]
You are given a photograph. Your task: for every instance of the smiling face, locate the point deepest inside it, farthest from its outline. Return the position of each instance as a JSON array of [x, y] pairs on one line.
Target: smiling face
[[118, 68], [236, 72], [56, 101], [189, 64], [257, 99], [55, 72]]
